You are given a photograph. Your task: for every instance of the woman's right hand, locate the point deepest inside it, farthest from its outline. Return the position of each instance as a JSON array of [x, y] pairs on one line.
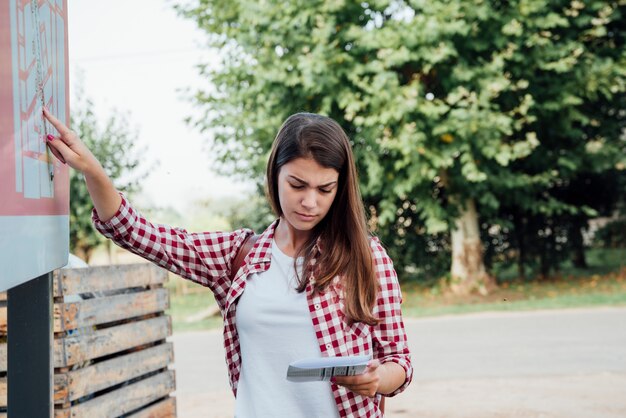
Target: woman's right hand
[[69, 149]]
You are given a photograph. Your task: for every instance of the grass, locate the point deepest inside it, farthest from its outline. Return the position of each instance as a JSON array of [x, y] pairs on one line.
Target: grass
[[570, 292], [603, 284], [601, 261], [182, 307]]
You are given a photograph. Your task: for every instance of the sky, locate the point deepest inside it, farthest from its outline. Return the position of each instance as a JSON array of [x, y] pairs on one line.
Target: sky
[[137, 56]]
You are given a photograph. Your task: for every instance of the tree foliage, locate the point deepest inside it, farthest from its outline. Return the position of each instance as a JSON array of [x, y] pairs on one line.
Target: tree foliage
[[516, 105], [114, 145]]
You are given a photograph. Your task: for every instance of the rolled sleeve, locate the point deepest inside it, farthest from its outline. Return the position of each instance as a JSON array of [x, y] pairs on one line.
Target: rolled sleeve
[[121, 222]]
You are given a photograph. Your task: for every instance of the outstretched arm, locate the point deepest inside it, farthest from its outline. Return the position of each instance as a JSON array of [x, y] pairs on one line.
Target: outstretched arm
[[205, 258], [68, 148]]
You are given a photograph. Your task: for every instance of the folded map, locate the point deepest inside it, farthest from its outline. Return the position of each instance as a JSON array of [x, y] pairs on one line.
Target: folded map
[[323, 368]]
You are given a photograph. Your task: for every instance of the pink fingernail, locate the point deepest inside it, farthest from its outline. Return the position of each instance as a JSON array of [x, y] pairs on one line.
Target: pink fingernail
[[50, 137]]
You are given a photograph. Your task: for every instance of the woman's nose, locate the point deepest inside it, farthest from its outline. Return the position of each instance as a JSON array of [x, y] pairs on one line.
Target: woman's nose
[[309, 200]]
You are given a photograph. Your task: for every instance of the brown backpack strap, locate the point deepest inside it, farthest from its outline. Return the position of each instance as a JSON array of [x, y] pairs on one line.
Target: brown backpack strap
[[247, 245]]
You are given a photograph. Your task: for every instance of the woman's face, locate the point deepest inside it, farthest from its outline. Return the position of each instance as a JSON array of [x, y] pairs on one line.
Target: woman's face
[[306, 191]]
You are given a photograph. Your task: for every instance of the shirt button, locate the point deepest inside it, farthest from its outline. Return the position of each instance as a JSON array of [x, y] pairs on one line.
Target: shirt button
[[317, 306], [329, 346]]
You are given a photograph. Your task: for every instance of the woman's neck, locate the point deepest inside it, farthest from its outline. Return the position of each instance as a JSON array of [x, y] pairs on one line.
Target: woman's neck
[[289, 239]]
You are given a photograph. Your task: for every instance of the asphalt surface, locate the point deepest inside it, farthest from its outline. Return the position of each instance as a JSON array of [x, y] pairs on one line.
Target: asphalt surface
[[556, 363]]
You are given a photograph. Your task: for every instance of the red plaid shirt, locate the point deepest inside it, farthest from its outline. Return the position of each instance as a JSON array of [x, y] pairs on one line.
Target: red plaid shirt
[[207, 258]]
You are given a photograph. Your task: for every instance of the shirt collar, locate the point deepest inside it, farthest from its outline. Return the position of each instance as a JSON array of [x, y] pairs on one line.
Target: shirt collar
[[262, 250]]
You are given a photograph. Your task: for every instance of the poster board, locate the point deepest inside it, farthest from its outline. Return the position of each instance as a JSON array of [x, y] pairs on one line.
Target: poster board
[[34, 186]]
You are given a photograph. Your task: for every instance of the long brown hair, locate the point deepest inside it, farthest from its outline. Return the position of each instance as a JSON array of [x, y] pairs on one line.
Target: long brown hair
[[342, 234]]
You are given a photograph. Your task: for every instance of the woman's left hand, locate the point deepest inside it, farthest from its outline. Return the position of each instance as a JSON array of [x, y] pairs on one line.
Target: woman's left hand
[[366, 383]]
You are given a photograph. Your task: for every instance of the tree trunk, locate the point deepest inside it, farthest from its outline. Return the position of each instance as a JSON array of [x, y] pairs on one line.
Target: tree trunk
[[545, 256], [109, 251], [521, 245], [88, 254], [83, 252], [578, 258], [79, 252], [468, 269]]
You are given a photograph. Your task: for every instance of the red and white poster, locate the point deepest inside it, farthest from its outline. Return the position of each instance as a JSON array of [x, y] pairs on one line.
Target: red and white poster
[[34, 186]]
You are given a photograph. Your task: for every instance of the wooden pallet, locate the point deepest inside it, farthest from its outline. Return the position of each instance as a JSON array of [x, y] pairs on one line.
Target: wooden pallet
[[110, 352]]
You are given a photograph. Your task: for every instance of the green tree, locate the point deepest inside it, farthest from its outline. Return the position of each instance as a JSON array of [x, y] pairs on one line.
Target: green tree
[[114, 145], [570, 56], [456, 109]]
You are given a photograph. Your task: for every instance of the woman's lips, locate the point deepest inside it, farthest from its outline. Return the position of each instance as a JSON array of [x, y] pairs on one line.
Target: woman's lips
[[305, 217]]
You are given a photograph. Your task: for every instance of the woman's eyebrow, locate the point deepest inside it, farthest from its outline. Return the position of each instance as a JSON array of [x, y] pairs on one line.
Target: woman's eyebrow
[[305, 183]]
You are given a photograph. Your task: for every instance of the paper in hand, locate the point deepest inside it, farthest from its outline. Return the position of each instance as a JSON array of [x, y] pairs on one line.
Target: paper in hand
[[323, 368]]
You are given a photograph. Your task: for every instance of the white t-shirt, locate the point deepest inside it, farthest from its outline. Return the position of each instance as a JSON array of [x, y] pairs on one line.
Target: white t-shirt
[[274, 326]]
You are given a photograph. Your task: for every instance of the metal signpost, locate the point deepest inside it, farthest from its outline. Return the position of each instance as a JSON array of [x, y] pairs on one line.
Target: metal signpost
[[30, 367], [34, 193]]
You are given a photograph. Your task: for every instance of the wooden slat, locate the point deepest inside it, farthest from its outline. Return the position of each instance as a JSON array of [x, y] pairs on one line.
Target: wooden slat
[[79, 348], [3, 357], [163, 409], [106, 278], [81, 382], [97, 279], [3, 318], [102, 310], [124, 399], [78, 383], [61, 389], [97, 311]]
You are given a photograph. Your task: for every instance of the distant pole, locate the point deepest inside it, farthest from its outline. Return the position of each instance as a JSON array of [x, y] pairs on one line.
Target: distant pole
[[29, 356]]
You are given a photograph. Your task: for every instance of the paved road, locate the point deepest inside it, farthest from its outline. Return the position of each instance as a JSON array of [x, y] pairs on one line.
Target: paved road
[[565, 363]]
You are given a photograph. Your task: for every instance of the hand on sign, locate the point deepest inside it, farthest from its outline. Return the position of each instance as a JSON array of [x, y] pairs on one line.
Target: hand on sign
[[68, 147], [366, 383]]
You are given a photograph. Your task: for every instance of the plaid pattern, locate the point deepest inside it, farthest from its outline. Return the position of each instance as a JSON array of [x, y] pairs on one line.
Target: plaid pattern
[[206, 258]]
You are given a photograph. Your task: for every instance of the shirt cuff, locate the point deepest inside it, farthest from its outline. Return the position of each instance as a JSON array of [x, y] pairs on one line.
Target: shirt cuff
[[120, 224], [408, 370]]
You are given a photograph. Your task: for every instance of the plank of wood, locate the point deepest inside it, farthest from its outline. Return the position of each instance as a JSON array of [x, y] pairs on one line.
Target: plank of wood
[[60, 392], [3, 318], [96, 279], [71, 385], [124, 399], [106, 278], [77, 383], [67, 316], [3, 357], [162, 409], [80, 348], [97, 311], [76, 349], [81, 382]]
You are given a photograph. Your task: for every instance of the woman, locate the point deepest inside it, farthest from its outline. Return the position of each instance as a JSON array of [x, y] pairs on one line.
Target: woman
[[314, 284]]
